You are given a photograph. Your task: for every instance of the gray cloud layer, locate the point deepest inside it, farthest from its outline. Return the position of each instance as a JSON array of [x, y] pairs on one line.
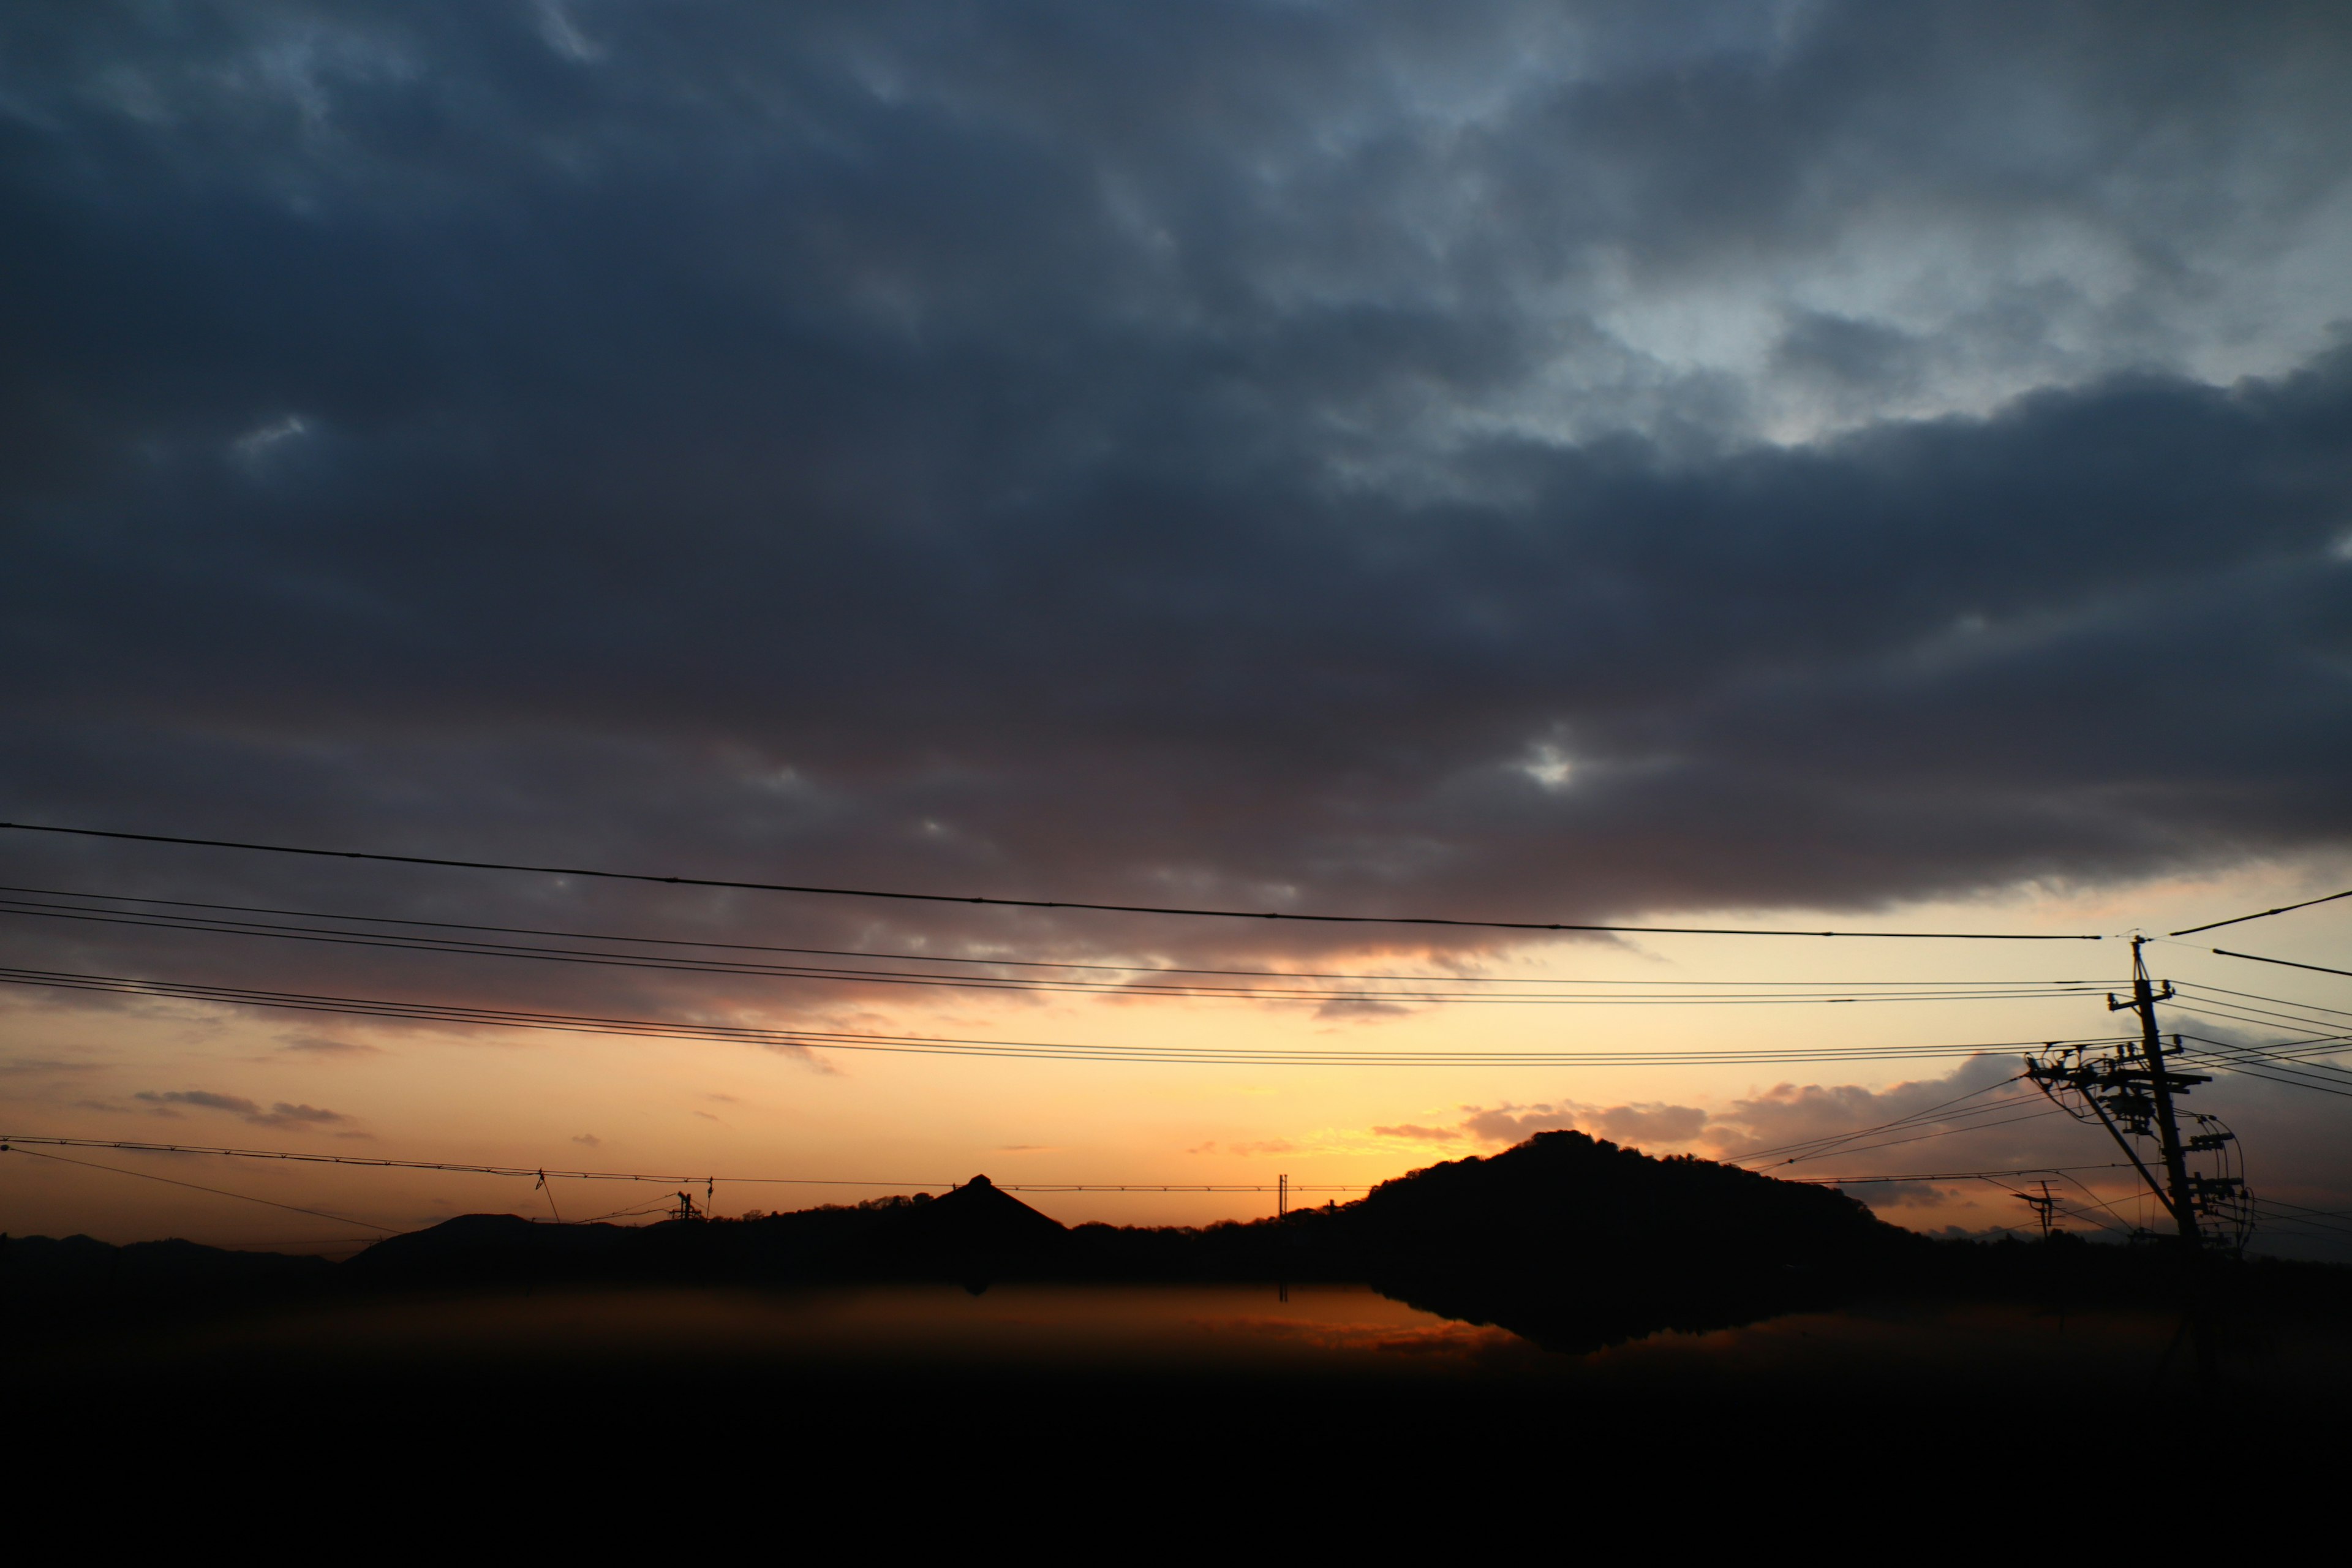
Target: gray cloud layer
[[1540, 462]]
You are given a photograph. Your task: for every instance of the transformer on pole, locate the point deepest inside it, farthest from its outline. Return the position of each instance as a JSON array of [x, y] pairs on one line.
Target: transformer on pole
[[2129, 1089]]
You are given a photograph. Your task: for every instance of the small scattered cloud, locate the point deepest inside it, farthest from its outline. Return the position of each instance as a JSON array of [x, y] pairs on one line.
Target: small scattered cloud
[[1419, 1134], [280, 1114], [1647, 1125], [1025, 1148], [1643, 1125], [1361, 1009], [1267, 1146], [1516, 1123], [722, 1099], [707, 1117], [22, 1067], [588, 1140], [327, 1046], [236, 1104], [261, 438], [802, 1054], [1900, 1195]]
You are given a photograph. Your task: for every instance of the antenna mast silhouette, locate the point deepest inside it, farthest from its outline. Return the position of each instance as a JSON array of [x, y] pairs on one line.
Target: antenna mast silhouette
[[2129, 1089]]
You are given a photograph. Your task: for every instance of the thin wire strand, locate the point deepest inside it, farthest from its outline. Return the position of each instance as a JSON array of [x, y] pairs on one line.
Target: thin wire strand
[[13, 1141], [2283, 963], [1958, 991], [467, 1016], [999, 962], [1014, 903], [10, 1145], [2260, 915]]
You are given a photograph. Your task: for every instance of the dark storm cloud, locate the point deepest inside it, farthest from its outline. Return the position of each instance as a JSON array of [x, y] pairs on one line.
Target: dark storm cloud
[[1229, 453]]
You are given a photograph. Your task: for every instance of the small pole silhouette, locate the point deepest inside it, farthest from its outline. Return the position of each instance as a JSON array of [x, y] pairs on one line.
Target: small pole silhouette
[[1281, 1196], [2042, 1208]]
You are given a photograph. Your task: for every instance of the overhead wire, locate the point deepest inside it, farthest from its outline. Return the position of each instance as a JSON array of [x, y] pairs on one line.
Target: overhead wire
[[2263, 996], [2260, 914], [989, 961], [11, 1146], [1882, 1127], [1749, 994], [1923, 1137], [488, 1017], [818, 890], [17, 1141], [2283, 962], [2254, 1013]]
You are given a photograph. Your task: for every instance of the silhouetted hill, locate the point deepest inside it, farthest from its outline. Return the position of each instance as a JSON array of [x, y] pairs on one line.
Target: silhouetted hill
[[973, 1234], [479, 1249], [1569, 1240], [1566, 1238], [1572, 1239]]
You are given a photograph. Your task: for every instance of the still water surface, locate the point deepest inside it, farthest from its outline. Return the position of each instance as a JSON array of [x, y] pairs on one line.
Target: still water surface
[[1344, 1331]]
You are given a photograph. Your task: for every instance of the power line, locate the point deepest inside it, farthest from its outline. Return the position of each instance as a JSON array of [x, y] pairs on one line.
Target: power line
[[2286, 962], [975, 960], [10, 1145], [457, 1168], [2262, 997], [1751, 996], [1952, 1175], [1013, 903], [2264, 914], [1923, 1137], [1816, 1143], [509, 1018]]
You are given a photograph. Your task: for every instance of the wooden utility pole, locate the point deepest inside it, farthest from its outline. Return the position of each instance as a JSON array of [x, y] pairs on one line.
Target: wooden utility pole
[[2161, 1083], [2042, 1205]]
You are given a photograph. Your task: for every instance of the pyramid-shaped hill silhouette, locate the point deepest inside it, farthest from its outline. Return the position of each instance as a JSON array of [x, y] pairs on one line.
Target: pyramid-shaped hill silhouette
[[982, 1213]]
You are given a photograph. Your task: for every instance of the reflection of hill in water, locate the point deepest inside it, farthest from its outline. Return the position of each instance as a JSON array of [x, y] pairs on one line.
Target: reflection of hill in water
[[1569, 1241], [1576, 1243]]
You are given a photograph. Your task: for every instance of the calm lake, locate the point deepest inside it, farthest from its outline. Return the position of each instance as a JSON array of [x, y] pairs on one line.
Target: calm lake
[[1246, 1332]]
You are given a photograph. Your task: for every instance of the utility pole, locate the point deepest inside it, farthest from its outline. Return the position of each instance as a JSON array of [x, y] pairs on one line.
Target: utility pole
[[2042, 1207], [1281, 1196], [2160, 1085], [2130, 1088]]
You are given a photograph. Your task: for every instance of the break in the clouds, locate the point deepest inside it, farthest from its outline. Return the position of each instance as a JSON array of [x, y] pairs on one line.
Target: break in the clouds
[[1534, 460]]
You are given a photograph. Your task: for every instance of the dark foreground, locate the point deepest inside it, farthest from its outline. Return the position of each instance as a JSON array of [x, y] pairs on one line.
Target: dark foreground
[[1565, 1310]]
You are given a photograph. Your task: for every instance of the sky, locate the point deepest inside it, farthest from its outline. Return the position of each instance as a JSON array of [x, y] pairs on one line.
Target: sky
[[1786, 466]]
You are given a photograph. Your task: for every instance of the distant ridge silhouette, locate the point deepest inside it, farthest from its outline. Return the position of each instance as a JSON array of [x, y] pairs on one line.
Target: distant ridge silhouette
[[1566, 1239]]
